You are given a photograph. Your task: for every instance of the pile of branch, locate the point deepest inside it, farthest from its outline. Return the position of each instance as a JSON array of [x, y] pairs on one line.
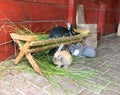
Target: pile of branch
[[47, 44]]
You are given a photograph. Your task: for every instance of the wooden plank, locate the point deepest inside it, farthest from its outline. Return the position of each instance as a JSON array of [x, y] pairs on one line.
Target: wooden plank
[[91, 40], [80, 15]]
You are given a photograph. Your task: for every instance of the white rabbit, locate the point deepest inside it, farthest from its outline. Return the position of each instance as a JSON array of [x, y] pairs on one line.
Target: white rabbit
[[62, 58]]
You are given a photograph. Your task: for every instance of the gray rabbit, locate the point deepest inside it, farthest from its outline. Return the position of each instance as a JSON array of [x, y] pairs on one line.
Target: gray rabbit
[[79, 50]]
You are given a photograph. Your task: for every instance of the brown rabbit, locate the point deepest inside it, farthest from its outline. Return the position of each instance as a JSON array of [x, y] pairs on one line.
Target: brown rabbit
[[62, 58]]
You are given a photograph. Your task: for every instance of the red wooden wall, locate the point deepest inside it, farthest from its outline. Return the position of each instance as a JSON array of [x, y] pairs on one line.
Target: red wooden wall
[[42, 15], [38, 15], [103, 12]]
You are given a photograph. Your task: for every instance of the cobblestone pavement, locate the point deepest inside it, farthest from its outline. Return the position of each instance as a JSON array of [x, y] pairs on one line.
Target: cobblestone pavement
[[107, 62]]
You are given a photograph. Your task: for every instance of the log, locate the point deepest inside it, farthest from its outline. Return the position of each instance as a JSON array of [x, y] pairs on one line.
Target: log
[[22, 52], [51, 46], [33, 63], [57, 40], [15, 36], [19, 44], [81, 31]]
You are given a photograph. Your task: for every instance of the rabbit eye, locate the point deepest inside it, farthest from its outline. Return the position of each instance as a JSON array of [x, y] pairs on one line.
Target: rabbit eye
[[59, 56]]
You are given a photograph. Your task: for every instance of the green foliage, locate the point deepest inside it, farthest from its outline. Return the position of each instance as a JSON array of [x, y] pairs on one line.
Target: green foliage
[[48, 69]]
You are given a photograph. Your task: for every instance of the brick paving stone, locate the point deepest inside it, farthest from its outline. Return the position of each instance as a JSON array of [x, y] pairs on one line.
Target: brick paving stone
[[92, 86], [66, 87], [110, 58], [114, 73], [36, 79], [116, 50], [70, 85], [32, 90], [101, 54], [111, 77], [52, 90], [86, 92], [77, 65], [112, 64], [117, 56], [7, 75], [115, 68], [100, 69], [5, 88], [16, 82], [114, 86], [98, 80], [16, 93], [109, 92], [116, 46], [81, 63], [95, 65], [39, 82]]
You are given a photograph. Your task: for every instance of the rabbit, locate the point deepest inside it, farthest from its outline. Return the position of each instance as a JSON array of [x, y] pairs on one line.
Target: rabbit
[[75, 49], [59, 31], [80, 50], [62, 58]]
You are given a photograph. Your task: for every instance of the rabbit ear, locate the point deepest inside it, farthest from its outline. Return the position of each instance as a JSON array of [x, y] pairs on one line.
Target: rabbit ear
[[68, 26], [60, 48]]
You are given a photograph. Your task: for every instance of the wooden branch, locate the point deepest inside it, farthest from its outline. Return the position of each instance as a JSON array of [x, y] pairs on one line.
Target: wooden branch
[[29, 57], [15, 36], [19, 44], [51, 46], [22, 52], [81, 31], [33, 63], [56, 40]]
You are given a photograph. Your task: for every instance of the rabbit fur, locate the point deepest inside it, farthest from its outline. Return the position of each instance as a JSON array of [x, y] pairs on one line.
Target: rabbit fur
[[59, 31], [62, 58]]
